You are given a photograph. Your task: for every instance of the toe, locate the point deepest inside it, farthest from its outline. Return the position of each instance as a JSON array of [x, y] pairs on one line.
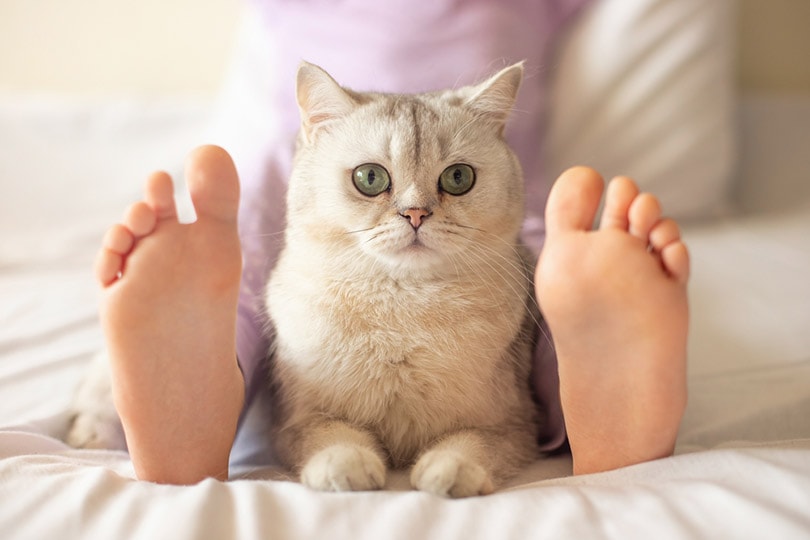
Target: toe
[[118, 239], [140, 219], [108, 266], [117, 243], [574, 200], [621, 192], [675, 258], [663, 233], [213, 183], [644, 213], [160, 195]]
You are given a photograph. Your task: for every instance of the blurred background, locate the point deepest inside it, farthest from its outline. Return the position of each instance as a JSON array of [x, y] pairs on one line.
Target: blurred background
[[163, 48]]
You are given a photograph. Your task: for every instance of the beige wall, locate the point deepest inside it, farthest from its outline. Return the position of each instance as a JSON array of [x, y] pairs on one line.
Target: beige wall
[[156, 47], [774, 45], [104, 47]]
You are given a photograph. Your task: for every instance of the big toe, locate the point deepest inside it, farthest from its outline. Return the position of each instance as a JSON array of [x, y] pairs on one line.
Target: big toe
[[213, 183], [574, 200]]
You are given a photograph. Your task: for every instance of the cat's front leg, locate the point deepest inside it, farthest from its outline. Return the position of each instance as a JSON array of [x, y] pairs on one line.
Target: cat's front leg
[[340, 457], [454, 467], [468, 463]]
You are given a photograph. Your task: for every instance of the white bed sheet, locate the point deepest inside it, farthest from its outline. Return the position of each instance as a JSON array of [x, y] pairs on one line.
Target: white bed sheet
[[742, 466]]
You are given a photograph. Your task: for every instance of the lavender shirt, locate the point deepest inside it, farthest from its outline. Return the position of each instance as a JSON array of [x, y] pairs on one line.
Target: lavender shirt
[[396, 46]]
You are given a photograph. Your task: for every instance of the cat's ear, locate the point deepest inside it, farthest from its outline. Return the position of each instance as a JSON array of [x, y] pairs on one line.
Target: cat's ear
[[495, 97], [320, 98]]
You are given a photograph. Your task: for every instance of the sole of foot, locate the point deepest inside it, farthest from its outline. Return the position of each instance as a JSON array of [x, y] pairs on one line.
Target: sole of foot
[[615, 300], [168, 312]]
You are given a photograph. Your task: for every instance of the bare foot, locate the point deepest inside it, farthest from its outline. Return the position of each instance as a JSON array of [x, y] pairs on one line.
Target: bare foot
[[169, 317], [615, 301]]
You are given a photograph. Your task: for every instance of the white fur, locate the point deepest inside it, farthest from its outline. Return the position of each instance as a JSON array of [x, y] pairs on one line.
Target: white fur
[[386, 348], [95, 421]]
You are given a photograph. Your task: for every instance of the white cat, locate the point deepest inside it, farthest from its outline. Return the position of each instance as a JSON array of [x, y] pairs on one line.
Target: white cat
[[402, 303]]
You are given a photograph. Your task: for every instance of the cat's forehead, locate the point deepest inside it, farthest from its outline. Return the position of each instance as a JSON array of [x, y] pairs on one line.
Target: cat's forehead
[[429, 109], [416, 127], [407, 109]]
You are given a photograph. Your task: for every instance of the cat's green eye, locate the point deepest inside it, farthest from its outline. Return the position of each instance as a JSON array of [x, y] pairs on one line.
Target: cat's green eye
[[371, 179], [457, 179]]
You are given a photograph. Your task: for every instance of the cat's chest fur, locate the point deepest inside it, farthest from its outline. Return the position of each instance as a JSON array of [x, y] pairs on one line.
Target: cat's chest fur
[[413, 359]]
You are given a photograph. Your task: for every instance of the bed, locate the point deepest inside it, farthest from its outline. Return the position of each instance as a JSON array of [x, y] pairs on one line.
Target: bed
[[742, 463]]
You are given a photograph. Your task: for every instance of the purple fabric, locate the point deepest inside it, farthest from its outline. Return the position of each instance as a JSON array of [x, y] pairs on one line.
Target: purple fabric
[[398, 46]]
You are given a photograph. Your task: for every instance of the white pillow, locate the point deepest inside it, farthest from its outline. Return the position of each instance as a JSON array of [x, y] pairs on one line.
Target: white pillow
[[645, 88]]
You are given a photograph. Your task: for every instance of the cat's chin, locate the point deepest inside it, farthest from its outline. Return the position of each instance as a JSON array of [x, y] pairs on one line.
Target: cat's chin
[[415, 258]]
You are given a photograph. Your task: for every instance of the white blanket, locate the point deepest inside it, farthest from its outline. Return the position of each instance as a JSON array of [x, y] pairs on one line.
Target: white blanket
[[742, 466]]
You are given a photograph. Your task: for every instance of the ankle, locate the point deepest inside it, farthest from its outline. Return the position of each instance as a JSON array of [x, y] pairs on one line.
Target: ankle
[[190, 446], [600, 453], [182, 467]]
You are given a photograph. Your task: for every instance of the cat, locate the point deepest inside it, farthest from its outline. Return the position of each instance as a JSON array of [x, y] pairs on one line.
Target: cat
[[402, 304]]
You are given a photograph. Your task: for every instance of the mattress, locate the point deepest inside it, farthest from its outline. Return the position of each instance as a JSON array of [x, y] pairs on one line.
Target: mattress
[[742, 463]]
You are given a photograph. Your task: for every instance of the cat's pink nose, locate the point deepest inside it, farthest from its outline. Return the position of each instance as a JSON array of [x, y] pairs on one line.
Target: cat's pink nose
[[416, 216]]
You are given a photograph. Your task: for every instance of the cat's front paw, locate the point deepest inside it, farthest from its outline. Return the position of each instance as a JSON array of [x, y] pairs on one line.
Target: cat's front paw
[[344, 467], [450, 474]]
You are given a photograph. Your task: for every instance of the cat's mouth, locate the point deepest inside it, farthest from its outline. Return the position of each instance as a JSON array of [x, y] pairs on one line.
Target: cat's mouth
[[410, 250], [421, 240], [417, 242], [416, 246]]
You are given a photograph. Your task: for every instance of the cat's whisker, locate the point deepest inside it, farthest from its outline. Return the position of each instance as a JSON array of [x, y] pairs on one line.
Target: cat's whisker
[[532, 310], [471, 262], [477, 269], [360, 230], [455, 265], [520, 268], [376, 236], [504, 271], [264, 235], [514, 248], [525, 286]]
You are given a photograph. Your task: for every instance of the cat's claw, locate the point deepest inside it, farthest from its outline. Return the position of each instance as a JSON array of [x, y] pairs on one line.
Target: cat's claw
[[344, 467], [450, 474]]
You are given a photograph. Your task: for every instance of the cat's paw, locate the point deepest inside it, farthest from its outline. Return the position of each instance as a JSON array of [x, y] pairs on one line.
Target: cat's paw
[[344, 467], [450, 474], [94, 422], [96, 431]]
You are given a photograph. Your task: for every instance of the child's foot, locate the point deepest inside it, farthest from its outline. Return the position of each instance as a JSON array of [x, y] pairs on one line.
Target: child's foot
[[169, 316], [615, 301]]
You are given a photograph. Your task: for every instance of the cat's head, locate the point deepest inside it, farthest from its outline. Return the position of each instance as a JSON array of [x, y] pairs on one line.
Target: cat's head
[[412, 181]]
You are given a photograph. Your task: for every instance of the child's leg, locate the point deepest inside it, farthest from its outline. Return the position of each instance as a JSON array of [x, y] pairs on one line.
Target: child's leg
[[615, 300], [168, 314]]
